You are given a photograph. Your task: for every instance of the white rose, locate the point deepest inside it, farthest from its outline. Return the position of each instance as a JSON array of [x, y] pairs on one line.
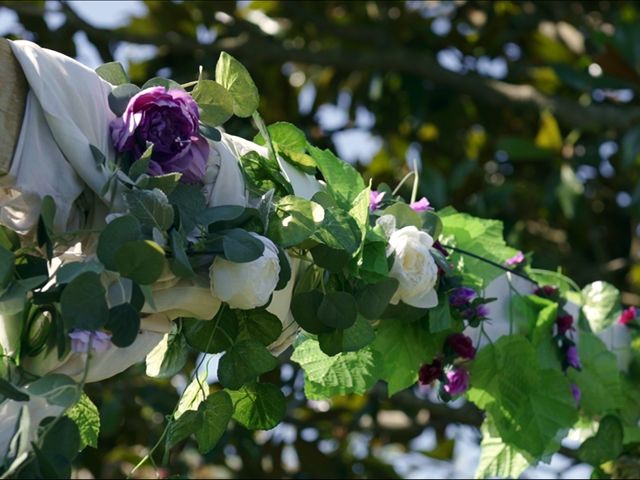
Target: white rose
[[414, 267], [246, 285]]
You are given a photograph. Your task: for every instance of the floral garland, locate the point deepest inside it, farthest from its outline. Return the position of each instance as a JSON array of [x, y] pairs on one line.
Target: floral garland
[[375, 288]]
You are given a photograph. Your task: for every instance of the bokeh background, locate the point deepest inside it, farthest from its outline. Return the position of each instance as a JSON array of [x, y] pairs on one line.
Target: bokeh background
[[523, 111]]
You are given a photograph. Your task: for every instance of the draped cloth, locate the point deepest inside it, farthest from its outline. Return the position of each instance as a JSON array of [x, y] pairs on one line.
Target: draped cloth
[[67, 113]]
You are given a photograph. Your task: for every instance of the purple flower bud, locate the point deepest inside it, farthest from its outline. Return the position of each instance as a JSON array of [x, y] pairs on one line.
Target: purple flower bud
[[375, 199], [457, 381], [421, 205], [462, 345], [572, 358], [168, 119], [482, 311], [547, 291], [462, 296], [576, 392], [430, 372], [80, 341], [438, 246], [564, 323], [517, 259]]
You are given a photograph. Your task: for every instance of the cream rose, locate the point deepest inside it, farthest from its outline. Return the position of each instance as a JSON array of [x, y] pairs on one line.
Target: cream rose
[[414, 267], [246, 285]]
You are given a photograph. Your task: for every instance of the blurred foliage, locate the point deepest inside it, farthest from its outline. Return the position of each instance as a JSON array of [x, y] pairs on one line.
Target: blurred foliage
[[522, 111]]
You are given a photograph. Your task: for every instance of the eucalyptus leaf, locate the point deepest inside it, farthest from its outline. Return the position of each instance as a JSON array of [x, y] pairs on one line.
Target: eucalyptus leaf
[[83, 303], [140, 260], [124, 324], [119, 97], [113, 72], [118, 232], [150, 207]]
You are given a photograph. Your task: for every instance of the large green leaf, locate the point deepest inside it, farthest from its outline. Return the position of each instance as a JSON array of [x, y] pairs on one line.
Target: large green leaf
[[344, 373], [87, 418], [601, 305], [150, 207], [528, 405], [169, 356], [294, 220], [214, 101], [211, 336], [118, 232], [404, 346], [605, 445], [83, 303], [7, 267], [140, 260], [498, 459], [233, 76], [351, 339], [599, 379], [258, 406], [213, 415], [243, 362], [343, 181]]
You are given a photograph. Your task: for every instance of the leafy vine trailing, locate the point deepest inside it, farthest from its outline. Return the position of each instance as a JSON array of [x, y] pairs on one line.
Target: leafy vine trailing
[[212, 244]]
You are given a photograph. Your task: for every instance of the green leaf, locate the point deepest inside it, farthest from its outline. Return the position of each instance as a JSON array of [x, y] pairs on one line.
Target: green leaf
[[243, 362], [300, 160], [140, 260], [167, 83], [338, 310], [339, 231], [331, 259], [241, 247], [7, 267], [150, 207], [195, 393], [351, 339], [233, 76], [181, 427], [55, 388], [344, 373], [211, 133], [343, 181], [440, 316], [404, 215], [113, 72], [259, 406], [118, 232], [62, 440], [124, 324], [479, 236], [214, 415], [7, 389], [374, 265], [605, 445], [222, 214], [69, 271], [169, 356], [141, 165], [528, 405], [9, 239], [285, 269], [599, 379], [263, 174], [601, 305], [304, 307], [166, 183], [431, 223], [214, 101], [87, 418], [295, 220], [120, 96], [190, 201], [373, 299], [497, 459], [259, 325], [211, 336], [83, 303], [285, 136], [404, 347], [179, 262]]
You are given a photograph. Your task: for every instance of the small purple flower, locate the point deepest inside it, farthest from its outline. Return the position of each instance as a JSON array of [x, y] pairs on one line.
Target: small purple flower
[[169, 120], [628, 315], [482, 311], [462, 296], [547, 291], [564, 323], [457, 381], [572, 358], [462, 346], [430, 372], [375, 199], [421, 205], [80, 340], [517, 259], [576, 392]]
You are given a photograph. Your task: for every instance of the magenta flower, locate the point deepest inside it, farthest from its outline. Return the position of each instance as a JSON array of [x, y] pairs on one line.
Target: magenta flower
[[576, 392], [169, 120], [421, 205], [462, 296], [375, 199], [517, 259], [430, 372], [101, 341], [462, 345], [572, 358], [547, 291], [564, 323], [628, 315], [457, 382]]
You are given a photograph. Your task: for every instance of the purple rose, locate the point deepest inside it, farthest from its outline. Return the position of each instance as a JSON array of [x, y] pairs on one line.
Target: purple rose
[[80, 341], [430, 372], [576, 392], [517, 259], [462, 296], [572, 358], [169, 120], [375, 199], [462, 345], [457, 382], [421, 205], [564, 323]]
